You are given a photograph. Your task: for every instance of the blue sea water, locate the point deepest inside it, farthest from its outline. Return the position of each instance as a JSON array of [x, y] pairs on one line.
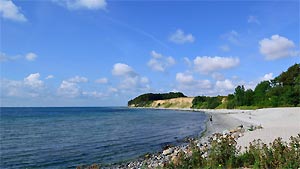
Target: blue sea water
[[72, 136]]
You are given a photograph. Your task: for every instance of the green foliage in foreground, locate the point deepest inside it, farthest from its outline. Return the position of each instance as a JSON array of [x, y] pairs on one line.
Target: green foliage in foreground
[[224, 154], [145, 100], [282, 91]]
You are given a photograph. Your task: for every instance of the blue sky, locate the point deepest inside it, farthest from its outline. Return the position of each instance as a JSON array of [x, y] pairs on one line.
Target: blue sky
[[103, 53]]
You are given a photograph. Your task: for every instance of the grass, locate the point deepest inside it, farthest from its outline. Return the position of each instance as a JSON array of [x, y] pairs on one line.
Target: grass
[[223, 153]]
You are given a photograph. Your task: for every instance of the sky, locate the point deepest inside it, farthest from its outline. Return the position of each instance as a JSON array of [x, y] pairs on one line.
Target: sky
[[104, 53]]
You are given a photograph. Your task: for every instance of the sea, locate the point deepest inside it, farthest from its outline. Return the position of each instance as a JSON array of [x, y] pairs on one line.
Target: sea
[[66, 137]]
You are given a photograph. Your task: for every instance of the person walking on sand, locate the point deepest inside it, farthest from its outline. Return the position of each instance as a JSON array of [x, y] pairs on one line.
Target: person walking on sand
[[210, 119]]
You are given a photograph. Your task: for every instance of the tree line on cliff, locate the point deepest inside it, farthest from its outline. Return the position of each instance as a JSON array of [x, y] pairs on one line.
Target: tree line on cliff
[[282, 91], [146, 99]]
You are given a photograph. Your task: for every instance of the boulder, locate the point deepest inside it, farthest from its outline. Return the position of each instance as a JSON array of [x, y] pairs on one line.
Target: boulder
[[168, 151]]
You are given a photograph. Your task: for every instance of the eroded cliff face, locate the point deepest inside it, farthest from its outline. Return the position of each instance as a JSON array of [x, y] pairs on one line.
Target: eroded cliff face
[[181, 102]]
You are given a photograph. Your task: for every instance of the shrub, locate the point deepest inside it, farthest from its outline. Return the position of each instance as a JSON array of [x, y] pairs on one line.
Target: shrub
[[224, 153]]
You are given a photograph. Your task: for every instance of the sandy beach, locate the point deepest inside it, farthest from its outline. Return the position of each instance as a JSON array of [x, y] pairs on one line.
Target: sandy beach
[[275, 122]]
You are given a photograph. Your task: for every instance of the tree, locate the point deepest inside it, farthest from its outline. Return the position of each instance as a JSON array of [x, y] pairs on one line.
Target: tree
[[239, 95]]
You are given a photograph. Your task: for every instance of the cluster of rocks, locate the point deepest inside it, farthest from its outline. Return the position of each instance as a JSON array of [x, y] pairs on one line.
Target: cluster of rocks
[[173, 154]]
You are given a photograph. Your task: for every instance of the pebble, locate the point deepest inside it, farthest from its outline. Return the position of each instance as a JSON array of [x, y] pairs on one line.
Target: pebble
[[173, 153]]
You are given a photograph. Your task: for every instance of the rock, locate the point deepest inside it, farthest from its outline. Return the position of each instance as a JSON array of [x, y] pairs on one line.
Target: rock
[[175, 160], [168, 151]]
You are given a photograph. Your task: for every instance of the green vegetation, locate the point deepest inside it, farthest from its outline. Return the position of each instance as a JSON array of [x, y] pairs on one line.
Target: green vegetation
[[224, 154], [204, 102], [145, 100], [282, 91]]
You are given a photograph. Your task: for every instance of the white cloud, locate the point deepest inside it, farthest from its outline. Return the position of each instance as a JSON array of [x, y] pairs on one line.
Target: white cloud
[[121, 69], [78, 79], [68, 89], [160, 63], [180, 37], [30, 56], [267, 76], [225, 85], [83, 4], [130, 80], [184, 78], [156, 55], [103, 80], [9, 10], [93, 94], [276, 47], [253, 19], [225, 48], [207, 64], [187, 84], [232, 37], [33, 81], [30, 86], [49, 77]]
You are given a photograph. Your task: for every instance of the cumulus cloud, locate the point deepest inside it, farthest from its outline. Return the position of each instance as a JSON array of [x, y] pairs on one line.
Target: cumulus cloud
[[121, 69], [68, 89], [160, 63], [130, 80], [30, 86], [276, 47], [225, 85], [83, 4], [253, 19], [207, 64], [180, 37], [267, 76], [184, 78], [103, 80], [78, 79], [30, 56], [33, 81], [187, 84], [9, 10]]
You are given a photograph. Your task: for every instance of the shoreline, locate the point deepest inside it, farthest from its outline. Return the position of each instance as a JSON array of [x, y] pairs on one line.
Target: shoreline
[[267, 123]]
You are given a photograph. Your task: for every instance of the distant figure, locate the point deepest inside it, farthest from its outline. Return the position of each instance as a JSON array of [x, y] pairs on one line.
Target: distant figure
[[210, 118]]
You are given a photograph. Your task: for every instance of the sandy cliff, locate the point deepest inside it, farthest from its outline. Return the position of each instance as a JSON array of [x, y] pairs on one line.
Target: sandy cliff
[[181, 102]]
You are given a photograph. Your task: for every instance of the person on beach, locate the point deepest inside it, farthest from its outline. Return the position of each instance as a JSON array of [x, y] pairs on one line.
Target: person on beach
[[210, 119]]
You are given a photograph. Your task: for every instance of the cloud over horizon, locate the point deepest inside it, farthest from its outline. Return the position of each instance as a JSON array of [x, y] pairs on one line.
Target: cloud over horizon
[[208, 64]]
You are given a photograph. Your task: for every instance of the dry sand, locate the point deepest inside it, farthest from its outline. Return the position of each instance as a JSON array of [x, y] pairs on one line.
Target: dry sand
[[276, 122]]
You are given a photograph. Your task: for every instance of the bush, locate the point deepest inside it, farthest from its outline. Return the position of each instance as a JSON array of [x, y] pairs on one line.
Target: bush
[[223, 153]]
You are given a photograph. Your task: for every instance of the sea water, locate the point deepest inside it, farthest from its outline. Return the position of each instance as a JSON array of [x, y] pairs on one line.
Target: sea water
[[66, 137]]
